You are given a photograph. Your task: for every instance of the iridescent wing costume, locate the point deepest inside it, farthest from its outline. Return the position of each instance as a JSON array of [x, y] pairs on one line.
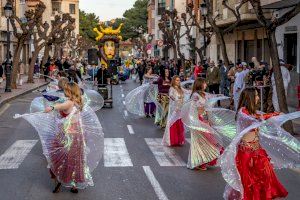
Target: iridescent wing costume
[[282, 148], [91, 98], [206, 142], [73, 145], [176, 102], [136, 99]]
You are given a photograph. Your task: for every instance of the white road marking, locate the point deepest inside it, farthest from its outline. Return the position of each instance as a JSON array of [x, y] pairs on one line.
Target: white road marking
[[123, 95], [120, 86], [155, 184], [125, 113], [16, 153], [165, 156], [130, 129], [4, 108], [116, 153], [124, 103]]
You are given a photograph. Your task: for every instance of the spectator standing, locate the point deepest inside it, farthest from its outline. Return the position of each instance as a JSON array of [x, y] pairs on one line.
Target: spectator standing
[[224, 82], [213, 78]]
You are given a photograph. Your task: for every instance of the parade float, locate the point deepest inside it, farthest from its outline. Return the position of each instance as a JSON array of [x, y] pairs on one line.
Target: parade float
[[108, 40]]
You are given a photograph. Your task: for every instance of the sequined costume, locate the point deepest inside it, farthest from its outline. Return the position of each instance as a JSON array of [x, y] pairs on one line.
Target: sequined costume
[[163, 102], [72, 144], [247, 166], [205, 143]]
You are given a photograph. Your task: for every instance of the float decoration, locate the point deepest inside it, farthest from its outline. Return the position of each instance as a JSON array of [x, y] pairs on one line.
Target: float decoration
[[108, 39]]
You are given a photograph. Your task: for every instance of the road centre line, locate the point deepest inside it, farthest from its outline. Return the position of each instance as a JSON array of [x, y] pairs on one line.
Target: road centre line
[[155, 184], [130, 129], [123, 95], [125, 113]]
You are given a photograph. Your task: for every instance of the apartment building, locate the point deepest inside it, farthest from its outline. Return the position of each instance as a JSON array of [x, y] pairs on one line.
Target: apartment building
[[249, 38], [155, 9], [19, 10], [57, 7]]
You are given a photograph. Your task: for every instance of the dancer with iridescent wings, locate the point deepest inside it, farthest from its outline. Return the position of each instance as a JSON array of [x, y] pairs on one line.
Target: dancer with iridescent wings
[[72, 139], [174, 134], [206, 145], [149, 104], [259, 146]]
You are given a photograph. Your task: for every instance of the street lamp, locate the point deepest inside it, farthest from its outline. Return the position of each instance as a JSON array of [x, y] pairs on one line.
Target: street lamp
[[203, 9], [8, 11]]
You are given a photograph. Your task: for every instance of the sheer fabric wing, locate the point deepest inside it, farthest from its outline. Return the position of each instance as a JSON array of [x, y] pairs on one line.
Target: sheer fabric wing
[[93, 99], [94, 136], [223, 121], [46, 124], [39, 104], [282, 147], [134, 101], [190, 118]]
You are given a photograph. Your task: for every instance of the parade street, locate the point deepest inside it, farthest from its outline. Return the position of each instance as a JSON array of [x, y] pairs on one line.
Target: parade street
[[135, 165]]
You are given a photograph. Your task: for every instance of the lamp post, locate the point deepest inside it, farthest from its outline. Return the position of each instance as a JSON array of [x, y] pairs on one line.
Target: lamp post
[[203, 9], [8, 11]]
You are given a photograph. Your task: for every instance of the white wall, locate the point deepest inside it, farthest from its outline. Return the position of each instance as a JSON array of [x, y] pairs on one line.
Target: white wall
[[280, 31]]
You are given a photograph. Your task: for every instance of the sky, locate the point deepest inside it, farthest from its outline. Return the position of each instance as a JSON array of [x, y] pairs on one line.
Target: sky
[[106, 9]]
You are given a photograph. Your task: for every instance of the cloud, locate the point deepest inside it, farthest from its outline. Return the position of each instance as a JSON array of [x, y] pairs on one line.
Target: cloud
[[106, 9]]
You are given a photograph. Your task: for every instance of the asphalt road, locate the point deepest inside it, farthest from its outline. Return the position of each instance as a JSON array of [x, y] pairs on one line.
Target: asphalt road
[[135, 165]]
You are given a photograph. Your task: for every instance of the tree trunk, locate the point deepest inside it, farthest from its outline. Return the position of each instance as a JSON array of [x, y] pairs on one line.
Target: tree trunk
[[278, 77], [220, 37], [174, 48], [56, 52], [15, 64], [46, 54], [32, 64]]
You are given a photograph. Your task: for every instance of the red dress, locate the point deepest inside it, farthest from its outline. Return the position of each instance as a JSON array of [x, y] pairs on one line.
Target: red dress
[[177, 133], [257, 174], [67, 157]]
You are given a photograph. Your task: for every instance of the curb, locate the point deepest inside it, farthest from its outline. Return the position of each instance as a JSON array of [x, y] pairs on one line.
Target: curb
[[21, 94]]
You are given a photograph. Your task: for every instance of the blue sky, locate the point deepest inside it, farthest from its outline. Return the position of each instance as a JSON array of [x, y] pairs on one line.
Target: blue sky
[[106, 9]]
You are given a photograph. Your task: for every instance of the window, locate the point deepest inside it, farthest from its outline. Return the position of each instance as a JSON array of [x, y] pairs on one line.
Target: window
[[161, 7], [72, 8], [56, 7]]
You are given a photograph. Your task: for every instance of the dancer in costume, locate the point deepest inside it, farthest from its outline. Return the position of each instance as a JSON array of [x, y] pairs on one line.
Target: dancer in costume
[[149, 105], [72, 140], [205, 145], [162, 98], [246, 163], [174, 132]]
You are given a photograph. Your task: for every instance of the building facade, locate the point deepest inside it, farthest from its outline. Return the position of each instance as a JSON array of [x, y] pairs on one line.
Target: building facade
[[19, 6], [155, 10], [249, 38], [57, 7]]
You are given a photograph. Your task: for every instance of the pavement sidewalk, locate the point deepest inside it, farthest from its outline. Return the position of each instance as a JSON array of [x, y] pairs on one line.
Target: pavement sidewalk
[[21, 90]]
